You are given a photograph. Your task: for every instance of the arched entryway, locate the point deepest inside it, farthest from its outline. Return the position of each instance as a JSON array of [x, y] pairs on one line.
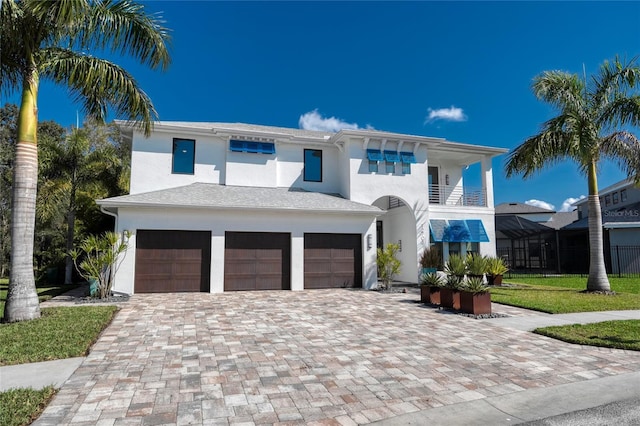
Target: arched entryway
[[398, 226]]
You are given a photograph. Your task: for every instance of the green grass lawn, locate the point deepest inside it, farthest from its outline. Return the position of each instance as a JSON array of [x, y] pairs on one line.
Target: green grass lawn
[[559, 295], [22, 406], [60, 333], [610, 334]]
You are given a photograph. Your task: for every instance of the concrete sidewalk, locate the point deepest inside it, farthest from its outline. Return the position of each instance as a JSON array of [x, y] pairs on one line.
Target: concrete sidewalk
[[38, 374], [540, 319], [528, 405]]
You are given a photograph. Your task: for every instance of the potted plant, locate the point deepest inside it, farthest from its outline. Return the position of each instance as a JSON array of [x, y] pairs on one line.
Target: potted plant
[[450, 292], [496, 268], [388, 264], [430, 288], [98, 257], [456, 266], [476, 265], [475, 297], [430, 260]]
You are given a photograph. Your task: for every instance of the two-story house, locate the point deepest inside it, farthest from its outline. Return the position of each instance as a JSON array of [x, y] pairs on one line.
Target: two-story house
[[219, 207], [620, 205]]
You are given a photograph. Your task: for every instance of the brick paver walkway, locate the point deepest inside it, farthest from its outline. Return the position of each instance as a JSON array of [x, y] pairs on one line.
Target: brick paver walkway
[[315, 357]]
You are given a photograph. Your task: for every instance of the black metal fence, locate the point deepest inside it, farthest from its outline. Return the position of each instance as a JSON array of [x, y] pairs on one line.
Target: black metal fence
[[620, 261]]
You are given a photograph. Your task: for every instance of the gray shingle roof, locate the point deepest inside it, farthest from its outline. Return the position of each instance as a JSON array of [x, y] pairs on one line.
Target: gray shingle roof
[[207, 195], [562, 219], [519, 208]]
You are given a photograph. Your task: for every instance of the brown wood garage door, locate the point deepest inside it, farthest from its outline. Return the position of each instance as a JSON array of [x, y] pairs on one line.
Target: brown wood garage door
[[257, 261], [332, 260], [172, 261]]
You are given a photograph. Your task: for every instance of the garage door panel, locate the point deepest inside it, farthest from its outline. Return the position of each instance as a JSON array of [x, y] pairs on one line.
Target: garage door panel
[[257, 261], [172, 261], [332, 260]]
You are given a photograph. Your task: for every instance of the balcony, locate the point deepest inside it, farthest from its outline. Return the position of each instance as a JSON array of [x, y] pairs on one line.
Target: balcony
[[448, 195]]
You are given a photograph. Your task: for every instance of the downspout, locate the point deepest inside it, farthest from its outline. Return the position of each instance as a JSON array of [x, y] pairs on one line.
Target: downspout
[[115, 215]]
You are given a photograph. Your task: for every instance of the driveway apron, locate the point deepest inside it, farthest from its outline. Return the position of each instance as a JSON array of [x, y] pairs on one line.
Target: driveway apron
[[312, 357]]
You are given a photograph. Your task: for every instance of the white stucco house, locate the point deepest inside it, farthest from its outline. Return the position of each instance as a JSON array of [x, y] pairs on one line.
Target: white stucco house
[[217, 207]]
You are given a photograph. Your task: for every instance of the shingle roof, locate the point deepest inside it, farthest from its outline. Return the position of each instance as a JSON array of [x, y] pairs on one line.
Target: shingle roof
[[519, 208], [207, 195], [561, 219], [247, 127]]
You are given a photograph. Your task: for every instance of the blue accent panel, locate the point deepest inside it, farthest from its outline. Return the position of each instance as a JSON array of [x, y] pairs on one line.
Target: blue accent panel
[[183, 160], [437, 228], [253, 147], [457, 232], [408, 157], [391, 157], [478, 233], [374, 155]]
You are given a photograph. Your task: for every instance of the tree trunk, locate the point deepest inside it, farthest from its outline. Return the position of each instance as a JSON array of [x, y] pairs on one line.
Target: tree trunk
[[598, 280], [22, 298], [71, 222]]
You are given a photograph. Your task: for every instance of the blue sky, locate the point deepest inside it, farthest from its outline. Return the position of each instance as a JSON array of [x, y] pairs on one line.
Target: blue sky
[[458, 70]]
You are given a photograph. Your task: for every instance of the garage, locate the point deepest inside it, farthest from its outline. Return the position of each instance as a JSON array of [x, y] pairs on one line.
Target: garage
[[172, 261], [257, 261], [332, 260]]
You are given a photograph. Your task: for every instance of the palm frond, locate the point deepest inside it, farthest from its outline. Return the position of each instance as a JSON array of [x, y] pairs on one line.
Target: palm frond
[[99, 84], [123, 26], [12, 63], [614, 80], [545, 149], [622, 111], [624, 148], [561, 89]]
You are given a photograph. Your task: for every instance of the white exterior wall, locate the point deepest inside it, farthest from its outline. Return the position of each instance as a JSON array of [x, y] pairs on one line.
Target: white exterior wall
[[151, 161], [290, 168], [250, 169], [220, 221]]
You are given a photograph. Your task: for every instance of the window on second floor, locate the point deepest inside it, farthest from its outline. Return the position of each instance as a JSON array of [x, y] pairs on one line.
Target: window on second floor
[[374, 156], [607, 200], [391, 158], [313, 165], [184, 155], [623, 195], [407, 160], [614, 197]]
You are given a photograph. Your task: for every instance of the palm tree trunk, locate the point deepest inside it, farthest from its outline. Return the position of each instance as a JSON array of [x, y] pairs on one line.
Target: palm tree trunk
[[598, 280], [71, 222], [22, 298]]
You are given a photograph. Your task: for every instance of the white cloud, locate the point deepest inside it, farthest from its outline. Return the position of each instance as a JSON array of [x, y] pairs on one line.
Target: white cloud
[[313, 120], [447, 114], [541, 204], [567, 204]]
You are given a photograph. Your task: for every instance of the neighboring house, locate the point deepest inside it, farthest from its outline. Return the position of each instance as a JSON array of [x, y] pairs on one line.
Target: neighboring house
[[219, 207], [527, 236], [620, 205]]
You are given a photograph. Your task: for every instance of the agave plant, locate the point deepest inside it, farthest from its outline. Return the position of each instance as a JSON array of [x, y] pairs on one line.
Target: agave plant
[[432, 280], [496, 266], [475, 285], [476, 264], [455, 266]]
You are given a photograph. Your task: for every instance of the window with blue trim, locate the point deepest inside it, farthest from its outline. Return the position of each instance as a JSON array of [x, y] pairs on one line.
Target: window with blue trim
[[391, 158], [374, 156], [313, 165], [184, 155], [408, 158], [252, 147], [406, 168]]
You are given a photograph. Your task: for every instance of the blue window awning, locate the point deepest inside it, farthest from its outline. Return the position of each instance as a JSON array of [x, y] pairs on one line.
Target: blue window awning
[[458, 231], [253, 147], [408, 157], [391, 157], [374, 155]]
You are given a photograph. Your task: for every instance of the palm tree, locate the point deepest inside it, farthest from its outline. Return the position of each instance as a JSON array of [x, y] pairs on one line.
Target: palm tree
[[593, 125], [44, 39], [70, 171]]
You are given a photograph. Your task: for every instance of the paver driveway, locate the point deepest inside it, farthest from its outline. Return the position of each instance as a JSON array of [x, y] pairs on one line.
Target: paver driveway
[[312, 357]]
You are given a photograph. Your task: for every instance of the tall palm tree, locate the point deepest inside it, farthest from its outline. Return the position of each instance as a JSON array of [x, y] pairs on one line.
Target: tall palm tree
[[593, 124], [44, 39], [72, 170]]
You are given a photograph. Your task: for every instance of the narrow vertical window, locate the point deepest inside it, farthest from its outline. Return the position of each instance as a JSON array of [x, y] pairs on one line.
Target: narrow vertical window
[[406, 168], [373, 166], [184, 151], [623, 195], [313, 165], [390, 167]]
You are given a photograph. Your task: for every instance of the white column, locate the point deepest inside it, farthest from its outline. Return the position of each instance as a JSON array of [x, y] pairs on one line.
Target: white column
[[297, 261], [487, 180], [369, 256], [217, 263]]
